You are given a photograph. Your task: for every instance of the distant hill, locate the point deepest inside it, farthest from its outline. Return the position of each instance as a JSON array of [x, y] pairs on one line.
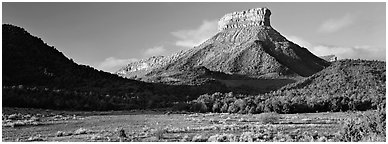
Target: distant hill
[[246, 45], [344, 85]]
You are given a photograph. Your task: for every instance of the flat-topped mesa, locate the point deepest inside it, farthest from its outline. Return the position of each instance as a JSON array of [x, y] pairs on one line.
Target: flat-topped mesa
[[245, 47], [251, 17]]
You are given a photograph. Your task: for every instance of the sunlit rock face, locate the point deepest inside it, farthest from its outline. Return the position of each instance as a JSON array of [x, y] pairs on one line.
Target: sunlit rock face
[[245, 45], [251, 17]]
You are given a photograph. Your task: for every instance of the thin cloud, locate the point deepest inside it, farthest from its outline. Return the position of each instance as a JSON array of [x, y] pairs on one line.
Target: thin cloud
[[342, 52], [333, 25], [352, 52], [113, 64], [194, 37], [155, 51]]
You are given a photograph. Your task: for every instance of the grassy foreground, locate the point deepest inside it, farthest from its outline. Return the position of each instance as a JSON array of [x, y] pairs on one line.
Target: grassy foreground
[[20, 124]]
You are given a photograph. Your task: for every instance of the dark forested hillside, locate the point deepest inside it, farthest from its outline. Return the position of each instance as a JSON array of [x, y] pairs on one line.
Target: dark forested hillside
[[28, 61], [38, 75], [345, 85], [38, 69]]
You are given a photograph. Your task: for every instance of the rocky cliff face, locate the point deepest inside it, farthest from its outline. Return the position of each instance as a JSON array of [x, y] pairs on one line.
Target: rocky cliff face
[[246, 44], [248, 18]]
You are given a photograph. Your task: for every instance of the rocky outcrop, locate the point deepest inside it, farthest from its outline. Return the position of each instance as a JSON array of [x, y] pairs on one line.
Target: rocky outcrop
[[248, 18], [140, 66], [329, 58]]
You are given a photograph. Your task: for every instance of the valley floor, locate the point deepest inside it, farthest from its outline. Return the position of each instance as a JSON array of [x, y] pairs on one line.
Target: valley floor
[[21, 124]]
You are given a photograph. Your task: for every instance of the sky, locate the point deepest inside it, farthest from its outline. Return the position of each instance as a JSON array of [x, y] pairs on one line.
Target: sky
[[108, 36]]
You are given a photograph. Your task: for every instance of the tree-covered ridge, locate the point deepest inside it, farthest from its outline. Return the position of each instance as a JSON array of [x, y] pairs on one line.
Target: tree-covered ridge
[[40, 76], [44, 77], [345, 85], [348, 73], [27, 60]]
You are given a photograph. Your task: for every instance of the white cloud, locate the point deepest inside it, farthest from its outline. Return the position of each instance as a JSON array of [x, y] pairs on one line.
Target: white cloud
[[333, 25], [342, 52], [113, 64], [194, 37], [155, 51]]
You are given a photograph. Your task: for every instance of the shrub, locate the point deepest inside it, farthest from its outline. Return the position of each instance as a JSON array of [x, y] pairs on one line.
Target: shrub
[[159, 133], [224, 108], [80, 131], [233, 108], [269, 118], [368, 127], [199, 107], [60, 133], [247, 137], [223, 138], [352, 131], [241, 104], [217, 106], [36, 138], [199, 138], [252, 110], [185, 138], [181, 106], [208, 100], [121, 133]]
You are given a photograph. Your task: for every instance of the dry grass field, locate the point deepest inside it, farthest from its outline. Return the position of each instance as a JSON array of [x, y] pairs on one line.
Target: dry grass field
[[19, 124]]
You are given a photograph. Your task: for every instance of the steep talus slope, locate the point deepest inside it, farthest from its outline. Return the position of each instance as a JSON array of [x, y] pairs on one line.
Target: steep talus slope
[[225, 54], [246, 44]]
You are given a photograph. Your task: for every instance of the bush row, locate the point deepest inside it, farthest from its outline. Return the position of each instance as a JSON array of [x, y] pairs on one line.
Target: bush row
[[230, 103]]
